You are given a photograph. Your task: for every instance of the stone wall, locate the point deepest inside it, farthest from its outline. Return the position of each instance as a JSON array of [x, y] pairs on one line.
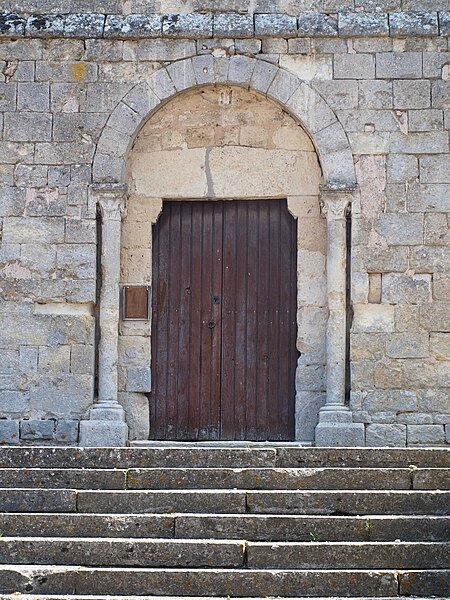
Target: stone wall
[[386, 75]]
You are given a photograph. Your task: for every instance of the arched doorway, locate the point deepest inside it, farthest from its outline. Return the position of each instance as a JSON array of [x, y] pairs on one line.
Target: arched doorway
[[231, 184], [123, 378]]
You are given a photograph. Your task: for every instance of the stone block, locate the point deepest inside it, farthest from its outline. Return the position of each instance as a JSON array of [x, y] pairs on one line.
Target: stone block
[[247, 46], [28, 127], [410, 93], [437, 231], [423, 197], [429, 142], [317, 24], [354, 66], [80, 231], [436, 317], [402, 168], [385, 435], [105, 434], [307, 67], [65, 396], [137, 413], [412, 289], [389, 401], [54, 359], [30, 175], [11, 24], [413, 23], [138, 379], [435, 169], [399, 65], [46, 26], [66, 432], [441, 286], [132, 26], [82, 359], [84, 25], [363, 24], [8, 94], [275, 24], [433, 400], [76, 261], [37, 429], [408, 345], [339, 94], [9, 432], [425, 435], [440, 345], [373, 318], [187, 25], [13, 403], [240, 70], [263, 75], [415, 418], [45, 202], [425, 120], [444, 23], [21, 230], [401, 229], [12, 202], [233, 25], [369, 143], [430, 259]]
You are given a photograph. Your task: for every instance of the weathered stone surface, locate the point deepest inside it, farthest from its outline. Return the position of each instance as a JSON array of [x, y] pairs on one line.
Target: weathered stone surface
[[187, 25], [162, 501], [266, 478], [305, 555], [132, 26], [32, 500], [385, 435], [418, 23], [84, 25], [317, 24], [37, 430], [363, 24], [201, 582], [275, 25], [399, 65], [233, 25], [425, 435], [11, 24], [354, 66], [148, 553], [356, 503], [9, 432]]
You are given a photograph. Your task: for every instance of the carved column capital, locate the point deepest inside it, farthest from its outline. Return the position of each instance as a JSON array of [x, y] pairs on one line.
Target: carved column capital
[[336, 203], [111, 201]]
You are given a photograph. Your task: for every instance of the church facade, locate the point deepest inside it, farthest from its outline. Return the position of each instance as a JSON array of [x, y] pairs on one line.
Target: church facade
[[225, 221]]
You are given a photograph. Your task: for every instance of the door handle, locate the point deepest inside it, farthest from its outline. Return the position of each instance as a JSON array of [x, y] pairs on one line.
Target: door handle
[[211, 324]]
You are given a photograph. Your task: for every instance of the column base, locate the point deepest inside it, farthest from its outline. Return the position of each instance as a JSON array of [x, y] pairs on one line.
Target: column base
[[103, 434], [340, 434]]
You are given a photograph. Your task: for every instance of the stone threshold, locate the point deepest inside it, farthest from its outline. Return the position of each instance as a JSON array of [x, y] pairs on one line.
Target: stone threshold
[[217, 444]]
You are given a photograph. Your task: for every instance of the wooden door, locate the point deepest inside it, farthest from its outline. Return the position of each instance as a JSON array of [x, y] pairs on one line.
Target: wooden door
[[224, 321]]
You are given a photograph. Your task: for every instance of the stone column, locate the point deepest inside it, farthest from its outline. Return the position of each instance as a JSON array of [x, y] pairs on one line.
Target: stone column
[[336, 427], [106, 426]]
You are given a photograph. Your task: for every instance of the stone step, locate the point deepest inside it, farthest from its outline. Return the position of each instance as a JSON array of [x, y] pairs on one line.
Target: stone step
[[213, 478], [104, 552], [78, 597], [195, 455], [314, 528], [221, 526], [229, 501], [274, 502], [25, 579]]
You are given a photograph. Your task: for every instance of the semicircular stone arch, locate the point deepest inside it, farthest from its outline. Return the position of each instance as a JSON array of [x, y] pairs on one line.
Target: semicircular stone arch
[[294, 95]]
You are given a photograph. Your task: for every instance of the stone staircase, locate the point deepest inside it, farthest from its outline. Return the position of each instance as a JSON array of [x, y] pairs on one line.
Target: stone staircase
[[257, 521]]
